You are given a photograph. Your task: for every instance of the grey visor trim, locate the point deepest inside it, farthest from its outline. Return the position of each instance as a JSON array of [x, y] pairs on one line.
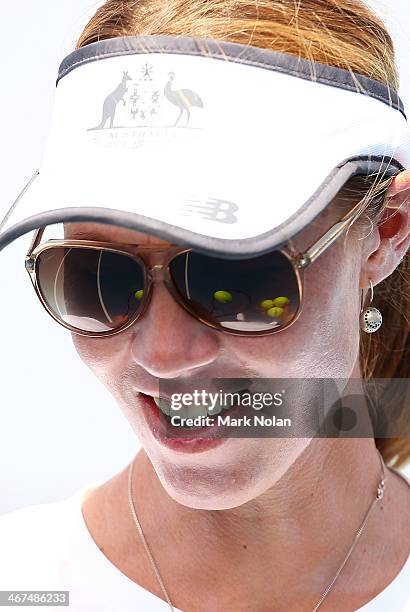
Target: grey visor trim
[[236, 52], [230, 249]]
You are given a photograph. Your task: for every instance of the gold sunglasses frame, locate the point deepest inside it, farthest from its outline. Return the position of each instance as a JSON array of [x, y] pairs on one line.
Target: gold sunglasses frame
[[299, 262]]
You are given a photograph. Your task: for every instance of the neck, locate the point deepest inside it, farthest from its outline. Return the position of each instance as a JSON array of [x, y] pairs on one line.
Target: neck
[[307, 520]]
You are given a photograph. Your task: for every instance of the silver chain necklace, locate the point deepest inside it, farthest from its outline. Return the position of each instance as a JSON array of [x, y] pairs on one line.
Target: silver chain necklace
[[378, 497]]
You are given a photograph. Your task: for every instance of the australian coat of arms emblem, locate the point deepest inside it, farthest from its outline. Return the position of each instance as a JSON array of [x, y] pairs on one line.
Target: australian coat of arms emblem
[[141, 101]]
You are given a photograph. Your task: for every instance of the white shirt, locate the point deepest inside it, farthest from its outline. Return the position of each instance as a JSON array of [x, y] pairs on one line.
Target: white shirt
[[48, 547]]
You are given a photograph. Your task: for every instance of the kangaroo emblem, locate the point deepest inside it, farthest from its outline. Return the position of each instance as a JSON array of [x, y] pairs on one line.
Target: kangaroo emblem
[[112, 100]]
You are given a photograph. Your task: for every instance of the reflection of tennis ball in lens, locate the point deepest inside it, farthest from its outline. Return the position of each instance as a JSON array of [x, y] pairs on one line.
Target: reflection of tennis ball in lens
[[266, 304], [274, 312], [223, 297], [138, 294], [280, 301]]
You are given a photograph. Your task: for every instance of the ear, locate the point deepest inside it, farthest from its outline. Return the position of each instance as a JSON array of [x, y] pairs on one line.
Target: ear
[[390, 241]]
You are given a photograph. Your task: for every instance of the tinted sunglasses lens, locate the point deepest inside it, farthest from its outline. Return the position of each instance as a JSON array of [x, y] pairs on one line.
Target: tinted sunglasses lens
[[93, 290], [247, 295]]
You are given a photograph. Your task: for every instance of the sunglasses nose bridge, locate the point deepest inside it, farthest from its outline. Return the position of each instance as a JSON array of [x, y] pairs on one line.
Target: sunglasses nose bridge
[[158, 272]]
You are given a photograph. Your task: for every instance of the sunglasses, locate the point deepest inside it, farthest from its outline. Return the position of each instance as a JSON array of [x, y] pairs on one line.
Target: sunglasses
[[99, 289]]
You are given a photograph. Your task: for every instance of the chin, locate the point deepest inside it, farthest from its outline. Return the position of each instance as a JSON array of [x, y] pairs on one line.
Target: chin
[[214, 500], [214, 488]]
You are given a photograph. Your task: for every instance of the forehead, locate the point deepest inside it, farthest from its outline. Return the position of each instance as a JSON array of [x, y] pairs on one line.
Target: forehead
[[111, 233]]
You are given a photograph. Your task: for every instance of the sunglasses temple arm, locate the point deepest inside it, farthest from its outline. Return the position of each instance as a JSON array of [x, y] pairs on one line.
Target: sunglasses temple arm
[[36, 240], [330, 236]]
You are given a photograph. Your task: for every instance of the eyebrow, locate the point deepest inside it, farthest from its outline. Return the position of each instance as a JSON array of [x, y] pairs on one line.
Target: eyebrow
[[90, 236], [108, 241], [81, 234], [86, 235]]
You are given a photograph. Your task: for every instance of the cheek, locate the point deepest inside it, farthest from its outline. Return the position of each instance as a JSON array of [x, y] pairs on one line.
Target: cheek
[[332, 315], [103, 356]]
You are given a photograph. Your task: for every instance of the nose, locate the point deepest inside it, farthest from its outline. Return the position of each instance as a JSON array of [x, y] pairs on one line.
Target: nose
[[167, 341]]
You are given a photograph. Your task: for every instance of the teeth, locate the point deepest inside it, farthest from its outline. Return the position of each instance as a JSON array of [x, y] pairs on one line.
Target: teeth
[[190, 412], [194, 411], [163, 405], [216, 410]]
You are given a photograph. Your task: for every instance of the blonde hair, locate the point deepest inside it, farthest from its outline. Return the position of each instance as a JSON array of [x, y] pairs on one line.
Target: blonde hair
[[342, 33]]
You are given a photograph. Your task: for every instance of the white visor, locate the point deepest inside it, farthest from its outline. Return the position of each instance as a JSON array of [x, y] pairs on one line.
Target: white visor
[[220, 146]]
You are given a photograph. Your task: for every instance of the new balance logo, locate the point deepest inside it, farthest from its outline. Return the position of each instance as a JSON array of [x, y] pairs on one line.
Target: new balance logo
[[211, 209]]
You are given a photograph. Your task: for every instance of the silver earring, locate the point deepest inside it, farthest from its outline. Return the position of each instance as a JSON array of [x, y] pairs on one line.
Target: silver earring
[[370, 318]]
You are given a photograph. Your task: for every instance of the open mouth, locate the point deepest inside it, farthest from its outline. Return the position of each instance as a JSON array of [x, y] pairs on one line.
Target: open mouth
[[197, 428], [195, 417]]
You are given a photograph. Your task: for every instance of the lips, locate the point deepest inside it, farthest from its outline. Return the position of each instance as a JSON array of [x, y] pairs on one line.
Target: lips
[[179, 438]]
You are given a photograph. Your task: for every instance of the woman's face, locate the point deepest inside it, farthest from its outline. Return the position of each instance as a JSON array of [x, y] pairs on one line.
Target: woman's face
[[167, 342]]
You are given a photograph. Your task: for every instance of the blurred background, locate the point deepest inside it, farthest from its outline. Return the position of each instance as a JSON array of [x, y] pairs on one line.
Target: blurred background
[[59, 432]]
